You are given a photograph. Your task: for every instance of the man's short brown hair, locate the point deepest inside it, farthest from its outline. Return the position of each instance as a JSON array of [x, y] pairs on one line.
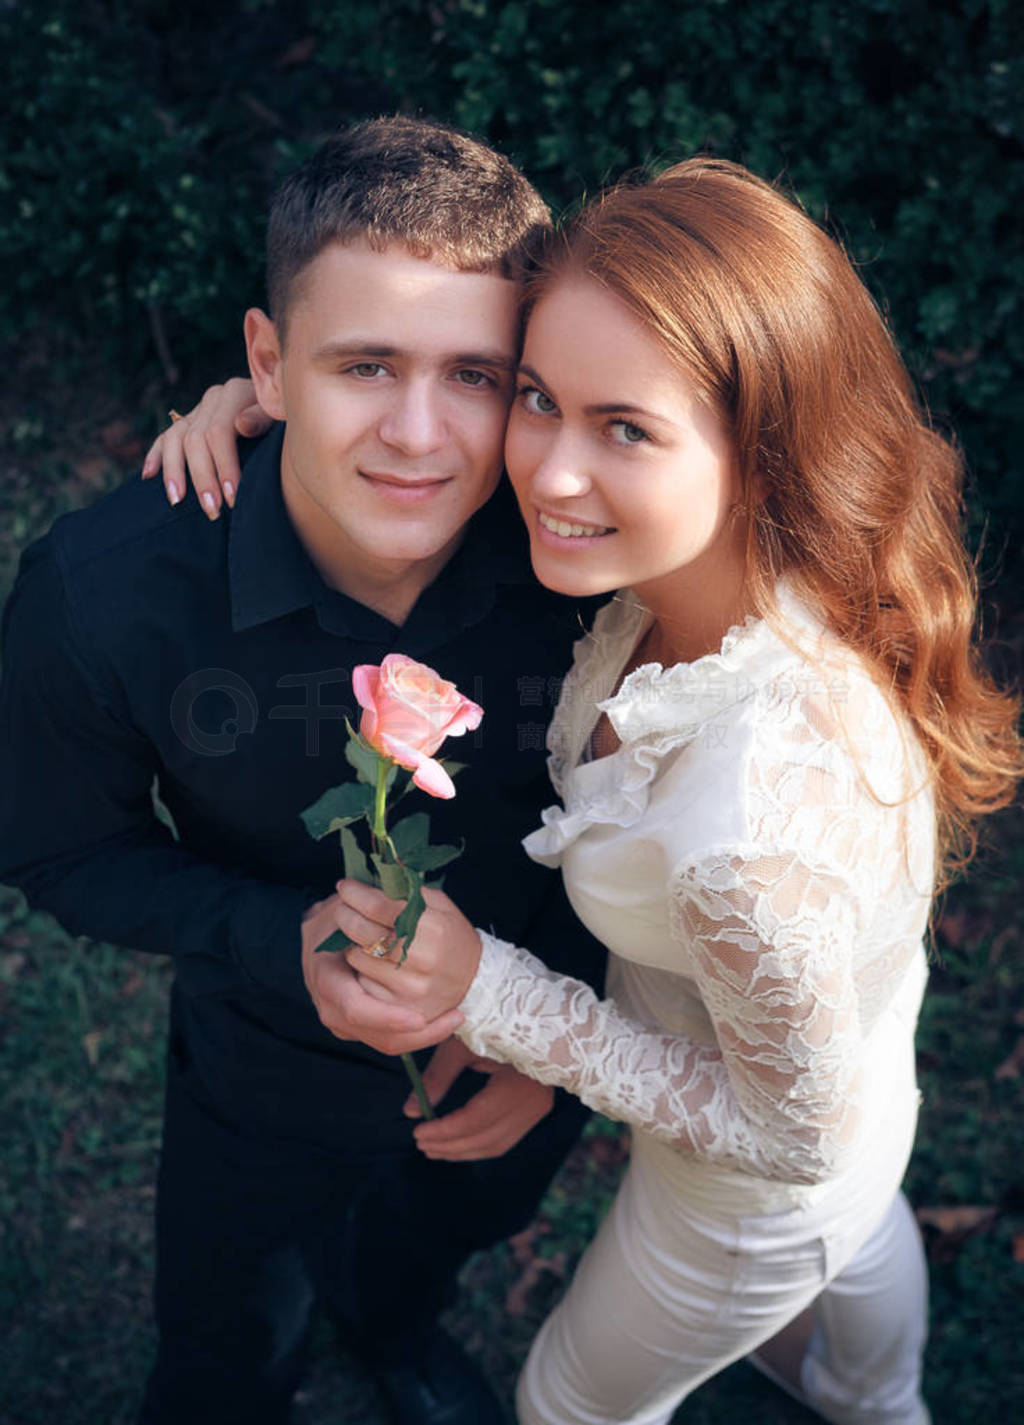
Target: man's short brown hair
[[437, 191]]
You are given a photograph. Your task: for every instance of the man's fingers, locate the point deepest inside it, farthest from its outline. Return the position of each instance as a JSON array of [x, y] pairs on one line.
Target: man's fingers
[[463, 1135], [492, 1122], [460, 1126], [446, 1064], [367, 1015], [365, 1012]]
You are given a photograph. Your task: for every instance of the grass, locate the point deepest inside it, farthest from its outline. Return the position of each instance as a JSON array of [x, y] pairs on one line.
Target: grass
[[81, 1054]]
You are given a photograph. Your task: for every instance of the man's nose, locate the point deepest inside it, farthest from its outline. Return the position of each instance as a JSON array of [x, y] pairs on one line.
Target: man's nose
[[414, 421]]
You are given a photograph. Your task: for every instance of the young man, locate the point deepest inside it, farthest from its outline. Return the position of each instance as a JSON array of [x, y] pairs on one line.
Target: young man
[[147, 646]]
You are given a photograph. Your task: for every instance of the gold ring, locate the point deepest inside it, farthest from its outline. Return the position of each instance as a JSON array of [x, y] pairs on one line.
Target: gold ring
[[380, 949], [174, 416]]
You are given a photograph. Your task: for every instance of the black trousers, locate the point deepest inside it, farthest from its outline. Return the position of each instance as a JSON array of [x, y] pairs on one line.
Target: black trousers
[[252, 1235]]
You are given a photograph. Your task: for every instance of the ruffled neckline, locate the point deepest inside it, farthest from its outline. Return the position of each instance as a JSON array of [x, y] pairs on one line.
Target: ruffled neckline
[[655, 710]]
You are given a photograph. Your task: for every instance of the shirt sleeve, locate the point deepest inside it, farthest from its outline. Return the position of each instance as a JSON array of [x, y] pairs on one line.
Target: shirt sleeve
[[769, 939], [78, 830]]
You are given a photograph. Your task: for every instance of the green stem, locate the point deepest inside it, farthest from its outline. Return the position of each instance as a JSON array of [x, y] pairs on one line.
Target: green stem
[[379, 831], [426, 1107]]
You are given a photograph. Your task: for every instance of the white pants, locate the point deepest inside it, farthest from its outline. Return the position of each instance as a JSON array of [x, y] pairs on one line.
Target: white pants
[[689, 1272]]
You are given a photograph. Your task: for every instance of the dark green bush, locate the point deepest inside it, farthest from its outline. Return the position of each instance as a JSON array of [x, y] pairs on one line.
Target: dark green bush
[[145, 139]]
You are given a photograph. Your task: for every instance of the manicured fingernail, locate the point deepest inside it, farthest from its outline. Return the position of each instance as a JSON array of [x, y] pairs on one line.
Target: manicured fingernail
[[173, 494], [209, 505], [229, 492], [147, 468]]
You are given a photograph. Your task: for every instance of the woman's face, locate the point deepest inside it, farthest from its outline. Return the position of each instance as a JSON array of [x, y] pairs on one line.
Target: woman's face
[[623, 476]]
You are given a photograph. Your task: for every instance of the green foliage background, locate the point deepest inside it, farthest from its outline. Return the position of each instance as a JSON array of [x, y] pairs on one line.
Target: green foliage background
[[145, 138]]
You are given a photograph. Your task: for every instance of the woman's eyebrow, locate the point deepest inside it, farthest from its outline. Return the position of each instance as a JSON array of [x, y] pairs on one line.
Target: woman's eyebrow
[[525, 370], [602, 408]]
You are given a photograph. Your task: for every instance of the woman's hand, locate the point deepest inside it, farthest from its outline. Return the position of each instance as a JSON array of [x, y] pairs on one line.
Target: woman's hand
[[442, 958], [205, 441], [351, 1009]]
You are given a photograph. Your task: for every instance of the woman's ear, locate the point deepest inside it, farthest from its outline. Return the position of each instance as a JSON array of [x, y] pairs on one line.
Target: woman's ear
[[265, 360]]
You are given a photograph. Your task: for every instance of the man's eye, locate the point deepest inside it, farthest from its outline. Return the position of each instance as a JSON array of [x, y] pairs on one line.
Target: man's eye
[[472, 377], [365, 369], [536, 402], [628, 433]]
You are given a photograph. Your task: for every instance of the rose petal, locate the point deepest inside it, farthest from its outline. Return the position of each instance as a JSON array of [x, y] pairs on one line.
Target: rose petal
[[465, 720], [409, 706], [408, 723], [368, 727], [403, 754], [365, 682], [431, 777], [400, 660]]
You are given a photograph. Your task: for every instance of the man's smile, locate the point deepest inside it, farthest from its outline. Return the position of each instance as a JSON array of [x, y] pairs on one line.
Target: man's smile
[[403, 490]]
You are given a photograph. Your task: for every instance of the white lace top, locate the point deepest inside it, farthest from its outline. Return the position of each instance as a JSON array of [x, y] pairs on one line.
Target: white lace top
[[758, 857]]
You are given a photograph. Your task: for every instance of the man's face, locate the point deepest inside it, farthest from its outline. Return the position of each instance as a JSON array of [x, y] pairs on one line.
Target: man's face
[[394, 378]]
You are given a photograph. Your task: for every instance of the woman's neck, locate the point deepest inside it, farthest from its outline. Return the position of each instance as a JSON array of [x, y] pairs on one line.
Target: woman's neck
[[692, 614]]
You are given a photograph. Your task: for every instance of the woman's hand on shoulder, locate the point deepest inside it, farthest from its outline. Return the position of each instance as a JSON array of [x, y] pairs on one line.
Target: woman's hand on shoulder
[[203, 445]]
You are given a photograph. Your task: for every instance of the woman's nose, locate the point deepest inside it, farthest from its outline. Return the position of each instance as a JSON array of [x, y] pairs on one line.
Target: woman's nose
[[561, 473]]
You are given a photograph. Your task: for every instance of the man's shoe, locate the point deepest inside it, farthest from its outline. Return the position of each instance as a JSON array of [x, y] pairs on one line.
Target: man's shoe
[[436, 1383]]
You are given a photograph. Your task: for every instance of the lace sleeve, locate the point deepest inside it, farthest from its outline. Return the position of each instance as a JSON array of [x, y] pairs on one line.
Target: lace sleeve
[[769, 942]]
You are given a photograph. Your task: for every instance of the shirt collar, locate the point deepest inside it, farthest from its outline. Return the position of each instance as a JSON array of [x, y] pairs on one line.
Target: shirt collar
[[271, 575], [269, 572]]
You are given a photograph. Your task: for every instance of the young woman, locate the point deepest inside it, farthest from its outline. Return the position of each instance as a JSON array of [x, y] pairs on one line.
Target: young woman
[[770, 750]]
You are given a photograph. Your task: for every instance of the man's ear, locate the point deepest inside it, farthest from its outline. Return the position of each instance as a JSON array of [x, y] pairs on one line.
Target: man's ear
[[264, 350]]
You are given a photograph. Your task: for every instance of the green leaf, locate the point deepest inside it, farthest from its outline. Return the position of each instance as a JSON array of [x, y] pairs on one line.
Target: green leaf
[[409, 835], [336, 808], [337, 940], [405, 925], [356, 865], [396, 881], [431, 858], [366, 759]]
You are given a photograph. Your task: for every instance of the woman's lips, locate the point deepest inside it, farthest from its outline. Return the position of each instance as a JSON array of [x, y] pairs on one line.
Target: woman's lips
[[561, 532]]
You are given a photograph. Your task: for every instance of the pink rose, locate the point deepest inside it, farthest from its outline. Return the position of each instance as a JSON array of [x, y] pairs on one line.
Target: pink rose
[[408, 711]]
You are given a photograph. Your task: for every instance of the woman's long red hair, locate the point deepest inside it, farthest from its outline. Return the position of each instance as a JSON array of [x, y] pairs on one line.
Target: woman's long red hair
[[849, 492]]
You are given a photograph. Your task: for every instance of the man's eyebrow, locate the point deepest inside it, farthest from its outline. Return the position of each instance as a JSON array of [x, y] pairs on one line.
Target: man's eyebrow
[[603, 408], [345, 350], [353, 348]]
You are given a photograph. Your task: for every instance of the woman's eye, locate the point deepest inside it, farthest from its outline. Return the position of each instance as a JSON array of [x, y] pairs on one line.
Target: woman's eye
[[366, 369], [536, 402], [628, 433]]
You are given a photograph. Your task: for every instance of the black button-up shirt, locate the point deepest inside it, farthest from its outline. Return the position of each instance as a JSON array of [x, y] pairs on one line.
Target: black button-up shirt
[[146, 646]]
